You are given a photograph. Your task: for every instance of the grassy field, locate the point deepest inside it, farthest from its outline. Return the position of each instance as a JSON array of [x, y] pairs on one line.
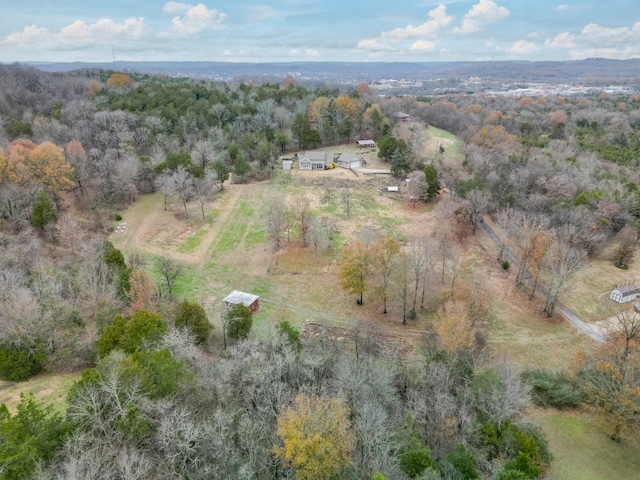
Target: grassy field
[[582, 453], [49, 388]]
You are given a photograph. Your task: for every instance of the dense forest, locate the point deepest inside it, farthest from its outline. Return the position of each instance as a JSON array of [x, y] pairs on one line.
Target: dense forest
[[162, 397]]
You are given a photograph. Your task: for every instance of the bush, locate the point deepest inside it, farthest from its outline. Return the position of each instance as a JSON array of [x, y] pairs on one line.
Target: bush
[[44, 212], [552, 389], [464, 462], [144, 327], [19, 363], [239, 321], [290, 333], [193, 317], [29, 438], [415, 461]]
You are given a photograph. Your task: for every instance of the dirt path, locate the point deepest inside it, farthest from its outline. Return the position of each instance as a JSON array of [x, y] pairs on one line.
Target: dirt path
[[563, 309]]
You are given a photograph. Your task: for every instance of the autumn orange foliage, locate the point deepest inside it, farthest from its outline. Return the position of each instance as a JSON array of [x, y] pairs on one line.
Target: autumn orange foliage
[[24, 164]]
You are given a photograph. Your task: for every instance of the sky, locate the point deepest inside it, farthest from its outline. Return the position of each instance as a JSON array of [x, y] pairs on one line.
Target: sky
[[318, 30]]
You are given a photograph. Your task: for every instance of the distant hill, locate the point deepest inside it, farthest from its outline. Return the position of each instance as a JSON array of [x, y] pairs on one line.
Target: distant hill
[[592, 72]]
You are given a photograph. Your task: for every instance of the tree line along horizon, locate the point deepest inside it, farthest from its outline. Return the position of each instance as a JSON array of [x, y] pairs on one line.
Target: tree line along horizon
[[558, 174]]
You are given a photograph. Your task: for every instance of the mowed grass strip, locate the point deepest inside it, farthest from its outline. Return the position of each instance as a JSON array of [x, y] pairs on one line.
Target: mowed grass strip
[[192, 242], [233, 231]]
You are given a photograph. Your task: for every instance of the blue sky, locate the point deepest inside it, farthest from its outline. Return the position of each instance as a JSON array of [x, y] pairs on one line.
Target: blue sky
[[312, 30]]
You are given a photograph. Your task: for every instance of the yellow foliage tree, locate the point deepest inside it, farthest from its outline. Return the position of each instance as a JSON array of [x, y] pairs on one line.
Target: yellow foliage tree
[[316, 436], [454, 326], [348, 107], [119, 80], [355, 260]]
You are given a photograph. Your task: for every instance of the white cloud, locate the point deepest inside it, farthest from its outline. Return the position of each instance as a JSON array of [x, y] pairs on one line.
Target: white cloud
[[175, 7], [79, 35], [481, 15], [195, 19], [103, 29], [523, 47], [423, 46], [438, 20], [622, 35], [561, 7], [373, 45], [562, 40], [29, 35]]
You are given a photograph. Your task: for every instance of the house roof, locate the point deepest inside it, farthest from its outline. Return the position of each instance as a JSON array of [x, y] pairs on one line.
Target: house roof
[[317, 157], [237, 297], [629, 289], [349, 157], [401, 115], [366, 142]]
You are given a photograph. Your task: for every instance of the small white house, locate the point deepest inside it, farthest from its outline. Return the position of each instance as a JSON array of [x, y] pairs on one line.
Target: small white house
[[625, 294], [286, 164], [315, 160], [350, 160]]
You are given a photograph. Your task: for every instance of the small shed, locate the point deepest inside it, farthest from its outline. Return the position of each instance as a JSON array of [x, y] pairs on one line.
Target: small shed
[[249, 300], [625, 293], [350, 160], [286, 164], [366, 144], [393, 189]]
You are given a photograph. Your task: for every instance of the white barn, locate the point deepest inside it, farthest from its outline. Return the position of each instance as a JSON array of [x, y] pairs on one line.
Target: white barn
[[625, 294], [350, 160]]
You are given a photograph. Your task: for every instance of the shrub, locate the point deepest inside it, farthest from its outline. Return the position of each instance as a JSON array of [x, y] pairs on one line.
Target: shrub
[[464, 462], [29, 438], [20, 362], [144, 327], [239, 321], [552, 389], [193, 317], [415, 461], [290, 333], [44, 212]]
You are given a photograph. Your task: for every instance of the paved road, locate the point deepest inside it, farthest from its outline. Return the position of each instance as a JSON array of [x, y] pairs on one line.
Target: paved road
[[563, 309]]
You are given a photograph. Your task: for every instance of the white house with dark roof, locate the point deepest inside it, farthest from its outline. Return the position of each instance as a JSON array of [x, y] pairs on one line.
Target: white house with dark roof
[[315, 160]]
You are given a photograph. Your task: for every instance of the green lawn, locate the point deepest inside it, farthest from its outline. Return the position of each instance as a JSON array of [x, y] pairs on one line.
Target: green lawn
[[48, 388], [583, 453]]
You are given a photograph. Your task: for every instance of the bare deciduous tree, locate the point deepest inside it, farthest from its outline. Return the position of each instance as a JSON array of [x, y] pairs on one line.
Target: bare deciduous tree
[[276, 222], [171, 271], [561, 262]]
